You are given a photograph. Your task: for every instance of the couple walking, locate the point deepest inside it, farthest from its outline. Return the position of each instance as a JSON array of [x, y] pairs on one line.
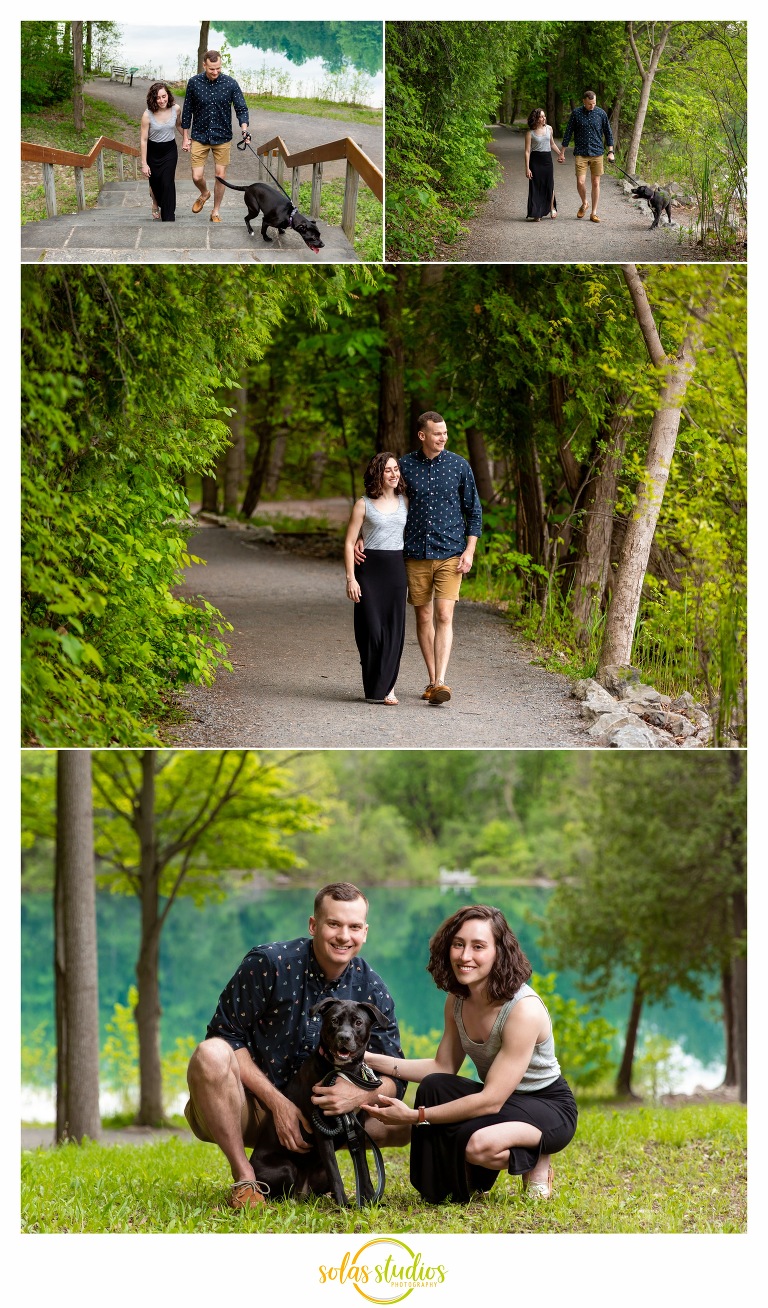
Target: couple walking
[[205, 124], [520, 1112], [589, 127], [414, 530]]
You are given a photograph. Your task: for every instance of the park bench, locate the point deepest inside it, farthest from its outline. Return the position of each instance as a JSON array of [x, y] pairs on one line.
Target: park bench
[[121, 74]]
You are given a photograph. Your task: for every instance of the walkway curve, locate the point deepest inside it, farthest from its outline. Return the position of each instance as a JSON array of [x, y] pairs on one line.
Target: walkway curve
[[499, 232], [296, 678]]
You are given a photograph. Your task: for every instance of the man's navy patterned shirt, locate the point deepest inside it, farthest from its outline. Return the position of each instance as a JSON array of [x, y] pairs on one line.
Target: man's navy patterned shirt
[[443, 505], [207, 105], [266, 1007], [588, 127]]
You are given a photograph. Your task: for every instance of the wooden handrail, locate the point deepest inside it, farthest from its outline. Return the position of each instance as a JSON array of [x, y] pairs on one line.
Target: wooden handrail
[[346, 148], [45, 154]]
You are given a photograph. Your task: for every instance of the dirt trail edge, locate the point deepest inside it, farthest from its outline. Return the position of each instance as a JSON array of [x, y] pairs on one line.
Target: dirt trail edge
[[296, 673]]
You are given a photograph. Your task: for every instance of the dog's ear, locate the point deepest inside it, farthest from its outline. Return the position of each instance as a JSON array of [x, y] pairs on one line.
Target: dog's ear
[[375, 1013], [321, 1007]]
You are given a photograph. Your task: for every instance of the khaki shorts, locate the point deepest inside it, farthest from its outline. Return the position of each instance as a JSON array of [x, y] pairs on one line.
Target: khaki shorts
[[592, 161], [428, 577], [252, 1114], [220, 153]]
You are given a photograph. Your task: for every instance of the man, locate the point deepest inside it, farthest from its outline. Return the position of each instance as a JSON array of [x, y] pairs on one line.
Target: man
[[262, 1031], [208, 102], [444, 522], [589, 126]]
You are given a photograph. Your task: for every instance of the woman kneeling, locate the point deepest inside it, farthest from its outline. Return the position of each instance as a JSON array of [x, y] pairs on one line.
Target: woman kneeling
[[523, 1110]]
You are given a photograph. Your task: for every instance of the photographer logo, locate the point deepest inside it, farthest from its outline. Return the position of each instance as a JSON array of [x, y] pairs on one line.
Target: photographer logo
[[384, 1270]]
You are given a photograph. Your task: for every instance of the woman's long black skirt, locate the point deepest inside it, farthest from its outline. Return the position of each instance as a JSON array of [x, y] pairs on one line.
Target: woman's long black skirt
[[162, 157], [380, 619], [541, 187], [438, 1167]]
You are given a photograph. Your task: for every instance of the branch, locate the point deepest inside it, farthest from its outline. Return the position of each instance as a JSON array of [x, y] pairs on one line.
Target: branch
[[643, 314], [635, 51]]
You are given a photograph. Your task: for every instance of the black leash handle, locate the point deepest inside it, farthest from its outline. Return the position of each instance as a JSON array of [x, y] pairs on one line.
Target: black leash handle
[[245, 144]]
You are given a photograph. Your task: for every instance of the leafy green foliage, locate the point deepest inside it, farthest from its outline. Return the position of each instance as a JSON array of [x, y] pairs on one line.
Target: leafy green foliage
[[47, 74], [585, 1046]]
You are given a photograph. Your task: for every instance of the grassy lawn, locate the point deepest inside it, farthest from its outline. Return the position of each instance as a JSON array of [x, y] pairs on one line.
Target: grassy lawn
[[52, 125], [632, 1170]]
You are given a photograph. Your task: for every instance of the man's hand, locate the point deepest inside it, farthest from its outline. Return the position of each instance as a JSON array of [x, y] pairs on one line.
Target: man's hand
[[611, 155], [186, 143], [343, 1097], [288, 1121], [561, 157], [464, 564], [359, 550]]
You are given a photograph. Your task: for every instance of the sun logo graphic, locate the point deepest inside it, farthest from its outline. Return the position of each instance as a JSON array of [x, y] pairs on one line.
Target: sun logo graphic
[[383, 1271]]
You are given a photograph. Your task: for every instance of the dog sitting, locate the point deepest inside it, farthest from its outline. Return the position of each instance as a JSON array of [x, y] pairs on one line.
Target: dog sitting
[[659, 200], [344, 1036], [276, 211]]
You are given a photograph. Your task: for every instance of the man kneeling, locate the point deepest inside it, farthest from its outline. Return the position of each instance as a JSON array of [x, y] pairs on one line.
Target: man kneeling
[[263, 1029]]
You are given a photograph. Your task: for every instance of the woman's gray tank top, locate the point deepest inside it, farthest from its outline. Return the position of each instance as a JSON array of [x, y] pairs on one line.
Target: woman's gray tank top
[[384, 531], [162, 132], [543, 142], [543, 1068]]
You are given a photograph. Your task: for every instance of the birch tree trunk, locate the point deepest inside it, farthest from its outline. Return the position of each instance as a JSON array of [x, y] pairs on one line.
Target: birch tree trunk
[[633, 562], [75, 877], [646, 79]]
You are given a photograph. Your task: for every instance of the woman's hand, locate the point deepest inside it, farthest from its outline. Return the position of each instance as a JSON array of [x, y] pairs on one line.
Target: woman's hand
[[389, 1109], [353, 590], [528, 174], [147, 171]]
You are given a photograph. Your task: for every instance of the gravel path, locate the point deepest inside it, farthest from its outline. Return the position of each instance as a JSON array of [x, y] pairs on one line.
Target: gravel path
[[499, 232], [296, 679], [298, 132]]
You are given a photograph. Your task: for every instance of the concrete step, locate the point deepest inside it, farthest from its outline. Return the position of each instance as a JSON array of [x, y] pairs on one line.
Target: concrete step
[[120, 229]]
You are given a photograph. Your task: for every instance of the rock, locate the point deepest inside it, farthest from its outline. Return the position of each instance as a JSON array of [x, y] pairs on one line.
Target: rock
[[692, 742], [595, 700], [646, 696], [672, 722], [631, 736], [617, 677], [217, 519], [265, 533], [606, 722]]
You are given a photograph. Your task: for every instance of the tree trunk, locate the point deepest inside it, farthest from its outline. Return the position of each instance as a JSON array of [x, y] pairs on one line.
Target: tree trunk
[[646, 78], [77, 61], [60, 977], [591, 572], [234, 465], [88, 51], [276, 461], [731, 1077], [210, 494], [531, 518], [202, 45], [739, 909], [479, 463], [258, 473], [624, 1077], [628, 584], [74, 862], [390, 433], [148, 965]]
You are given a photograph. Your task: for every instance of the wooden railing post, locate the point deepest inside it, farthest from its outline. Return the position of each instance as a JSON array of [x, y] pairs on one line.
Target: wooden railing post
[[349, 209], [80, 188], [295, 187], [317, 186], [49, 186], [100, 169], [120, 168], [280, 167]]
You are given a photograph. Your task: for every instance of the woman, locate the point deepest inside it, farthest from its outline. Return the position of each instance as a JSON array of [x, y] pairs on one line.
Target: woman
[[159, 155], [539, 142], [378, 586], [523, 1111]]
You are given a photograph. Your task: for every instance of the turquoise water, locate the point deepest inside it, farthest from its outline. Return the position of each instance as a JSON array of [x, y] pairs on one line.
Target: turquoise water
[[201, 947]]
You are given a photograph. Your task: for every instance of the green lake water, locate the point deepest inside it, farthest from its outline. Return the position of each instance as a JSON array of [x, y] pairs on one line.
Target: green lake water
[[201, 948]]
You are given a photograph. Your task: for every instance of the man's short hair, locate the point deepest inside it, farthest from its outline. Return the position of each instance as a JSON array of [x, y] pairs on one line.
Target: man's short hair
[[429, 416], [212, 56], [342, 891], [588, 95]]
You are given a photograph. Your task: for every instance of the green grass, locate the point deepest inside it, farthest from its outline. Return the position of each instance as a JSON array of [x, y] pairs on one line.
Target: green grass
[[313, 108], [369, 236], [52, 125], [629, 1170]]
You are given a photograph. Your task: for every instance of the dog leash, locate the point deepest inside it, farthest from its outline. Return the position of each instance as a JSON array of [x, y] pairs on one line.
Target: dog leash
[[356, 1137], [245, 144]]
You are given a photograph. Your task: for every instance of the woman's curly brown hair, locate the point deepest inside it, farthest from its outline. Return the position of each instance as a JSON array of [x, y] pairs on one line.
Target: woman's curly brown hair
[[152, 95], [510, 968], [533, 117], [373, 477]]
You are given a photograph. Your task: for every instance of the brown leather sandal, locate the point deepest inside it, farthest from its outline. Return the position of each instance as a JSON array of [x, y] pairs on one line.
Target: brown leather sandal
[[200, 201], [247, 1194]]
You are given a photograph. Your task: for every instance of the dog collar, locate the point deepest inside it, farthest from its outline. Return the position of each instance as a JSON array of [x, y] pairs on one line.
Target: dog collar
[[365, 1078], [290, 218]]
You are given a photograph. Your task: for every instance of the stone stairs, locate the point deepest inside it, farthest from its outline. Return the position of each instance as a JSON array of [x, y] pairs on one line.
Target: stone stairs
[[120, 229]]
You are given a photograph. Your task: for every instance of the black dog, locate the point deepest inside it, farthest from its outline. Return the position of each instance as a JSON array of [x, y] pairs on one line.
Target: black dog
[[343, 1040], [276, 211], [660, 202]]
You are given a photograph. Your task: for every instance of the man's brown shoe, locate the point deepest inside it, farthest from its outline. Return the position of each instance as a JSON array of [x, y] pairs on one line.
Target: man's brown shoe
[[427, 690], [200, 201], [593, 218], [215, 218], [438, 694], [582, 211], [247, 1194]]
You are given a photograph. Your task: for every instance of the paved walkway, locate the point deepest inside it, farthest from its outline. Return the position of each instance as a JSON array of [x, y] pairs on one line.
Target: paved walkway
[[499, 233], [296, 679]]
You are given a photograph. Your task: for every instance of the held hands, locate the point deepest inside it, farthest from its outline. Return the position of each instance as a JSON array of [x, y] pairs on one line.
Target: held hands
[[359, 550], [392, 1110], [288, 1123], [342, 1097], [353, 590], [561, 157], [186, 144]]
